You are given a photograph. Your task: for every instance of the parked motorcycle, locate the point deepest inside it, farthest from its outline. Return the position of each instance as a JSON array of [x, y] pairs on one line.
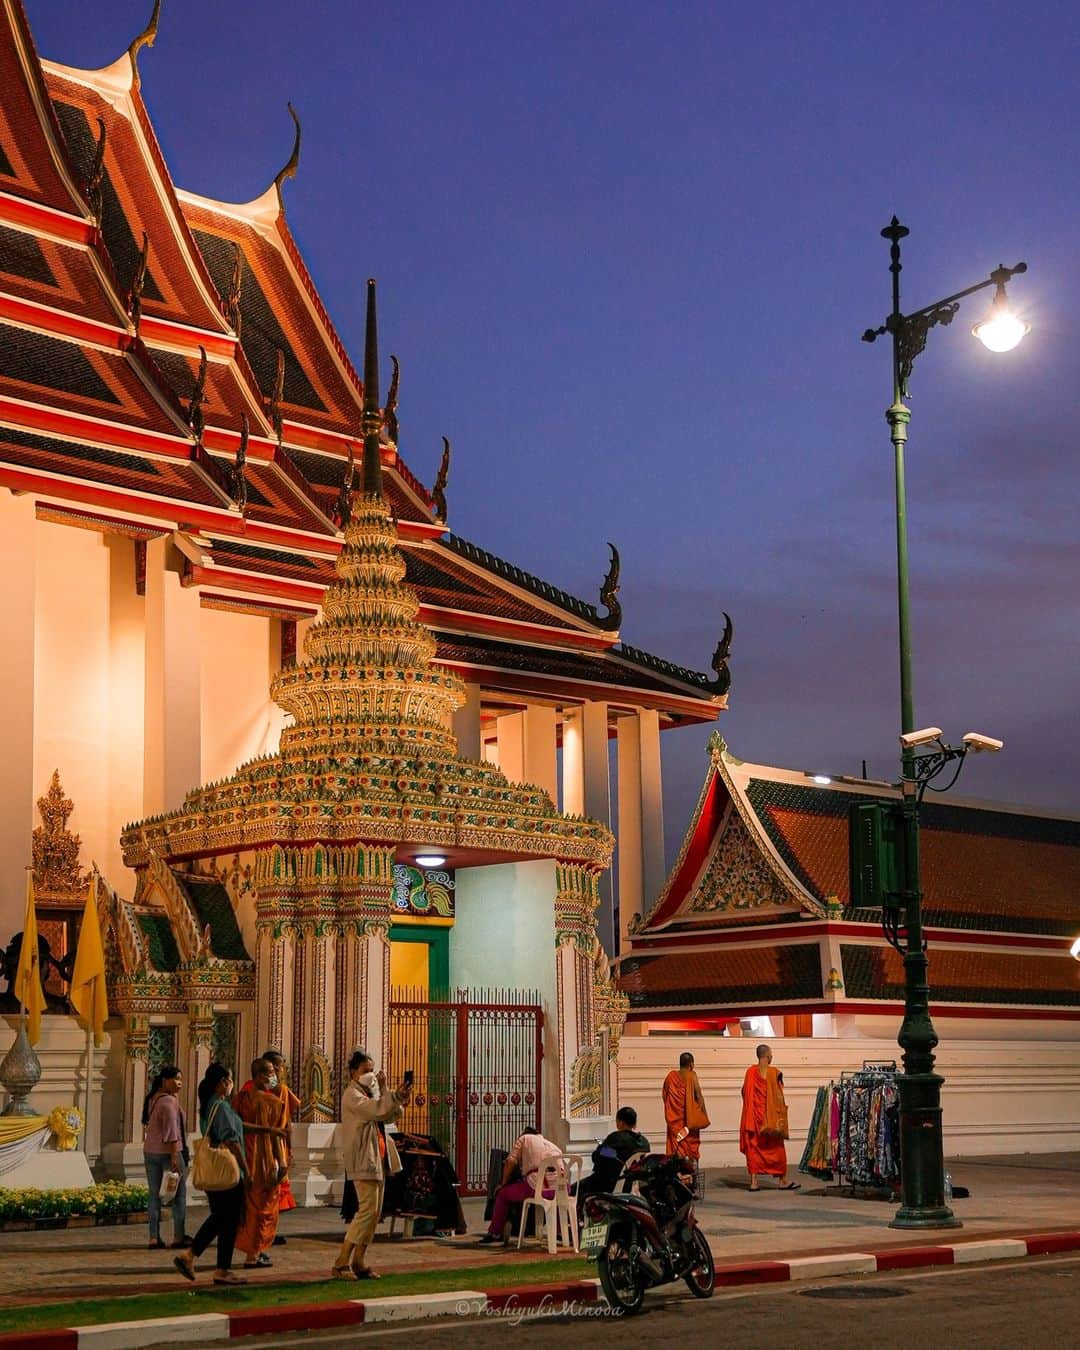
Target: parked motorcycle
[[651, 1238]]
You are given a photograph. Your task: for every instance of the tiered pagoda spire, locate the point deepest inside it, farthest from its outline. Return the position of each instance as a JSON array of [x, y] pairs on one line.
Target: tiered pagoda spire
[[369, 684]]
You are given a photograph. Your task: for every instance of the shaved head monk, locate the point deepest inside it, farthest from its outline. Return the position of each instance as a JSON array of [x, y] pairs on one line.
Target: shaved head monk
[[764, 1124], [684, 1109]]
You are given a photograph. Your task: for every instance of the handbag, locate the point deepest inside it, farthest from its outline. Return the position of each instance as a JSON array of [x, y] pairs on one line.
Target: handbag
[[216, 1168]]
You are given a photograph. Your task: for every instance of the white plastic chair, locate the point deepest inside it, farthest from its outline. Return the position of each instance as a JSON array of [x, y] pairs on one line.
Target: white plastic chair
[[560, 1204]]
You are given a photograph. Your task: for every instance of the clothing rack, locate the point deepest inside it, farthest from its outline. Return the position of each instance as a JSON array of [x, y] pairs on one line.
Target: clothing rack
[[854, 1130]]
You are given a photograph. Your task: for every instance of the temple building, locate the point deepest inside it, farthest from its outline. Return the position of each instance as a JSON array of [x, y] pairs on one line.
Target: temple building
[[183, 535], [754, 934]]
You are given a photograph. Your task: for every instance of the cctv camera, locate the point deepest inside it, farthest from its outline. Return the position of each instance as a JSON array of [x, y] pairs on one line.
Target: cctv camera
[[910, 739], [976, 741]]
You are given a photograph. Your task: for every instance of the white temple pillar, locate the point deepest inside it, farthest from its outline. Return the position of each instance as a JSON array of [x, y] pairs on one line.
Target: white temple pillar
[[597, 792], [18, 551], [653, 863], [510, 728], [573, 764], [126, 700], [466, 724], [173, 737], [541, 754], [628, 850], [641, 816]]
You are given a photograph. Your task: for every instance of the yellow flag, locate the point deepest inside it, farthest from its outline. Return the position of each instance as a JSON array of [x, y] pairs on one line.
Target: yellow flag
[[87, 995], [28, 988]]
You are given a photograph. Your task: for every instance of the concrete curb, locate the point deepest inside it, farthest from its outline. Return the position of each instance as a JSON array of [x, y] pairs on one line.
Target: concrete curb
[[556, 1298]]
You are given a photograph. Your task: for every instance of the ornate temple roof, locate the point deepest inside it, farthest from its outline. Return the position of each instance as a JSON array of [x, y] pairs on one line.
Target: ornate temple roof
[[146, 331], [764, 866]]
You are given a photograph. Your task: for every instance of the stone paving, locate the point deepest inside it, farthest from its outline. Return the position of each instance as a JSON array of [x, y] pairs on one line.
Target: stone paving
[[1019, 1194]]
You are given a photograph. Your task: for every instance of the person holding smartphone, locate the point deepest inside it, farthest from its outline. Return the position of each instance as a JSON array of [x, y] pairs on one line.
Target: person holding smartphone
[[370, 1156]]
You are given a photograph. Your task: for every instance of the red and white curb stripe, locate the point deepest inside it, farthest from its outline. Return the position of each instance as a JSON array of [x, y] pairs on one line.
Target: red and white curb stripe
[[522, 1298]]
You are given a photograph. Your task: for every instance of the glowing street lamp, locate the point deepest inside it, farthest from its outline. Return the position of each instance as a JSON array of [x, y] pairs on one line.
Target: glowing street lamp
[[1001, 330], [922, 1167]]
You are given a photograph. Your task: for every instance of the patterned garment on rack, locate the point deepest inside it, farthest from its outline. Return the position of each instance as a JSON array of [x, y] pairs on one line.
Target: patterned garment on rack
[[817, 1156]]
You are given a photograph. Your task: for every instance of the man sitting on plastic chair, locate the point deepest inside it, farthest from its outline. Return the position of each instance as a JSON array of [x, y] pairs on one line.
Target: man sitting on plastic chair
[[528, 1151]]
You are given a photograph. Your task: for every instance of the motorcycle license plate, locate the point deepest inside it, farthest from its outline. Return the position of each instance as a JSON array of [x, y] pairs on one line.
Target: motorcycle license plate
[[594, 1238]]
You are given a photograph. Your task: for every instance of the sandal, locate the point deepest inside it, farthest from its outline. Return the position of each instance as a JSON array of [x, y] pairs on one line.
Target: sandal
[[229, 1278], [365, 1273], [752, 1189], [259, 1264], [790, 1186], [343, 1273], [186, 1268]]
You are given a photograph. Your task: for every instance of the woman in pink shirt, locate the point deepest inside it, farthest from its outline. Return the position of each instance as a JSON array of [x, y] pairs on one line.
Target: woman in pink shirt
[[164, 1150], [529, 1153]]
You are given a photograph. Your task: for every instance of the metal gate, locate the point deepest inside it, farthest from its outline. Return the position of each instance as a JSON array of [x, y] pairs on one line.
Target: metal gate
[[477, 1064]]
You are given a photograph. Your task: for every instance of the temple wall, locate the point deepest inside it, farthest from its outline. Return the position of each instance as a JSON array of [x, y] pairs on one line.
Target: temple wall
[[239, 654], [504, 936], [1015, 1094], [71, 679]]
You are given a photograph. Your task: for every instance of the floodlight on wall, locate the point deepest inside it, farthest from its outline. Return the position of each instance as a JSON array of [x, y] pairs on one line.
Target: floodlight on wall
[[430, 859]]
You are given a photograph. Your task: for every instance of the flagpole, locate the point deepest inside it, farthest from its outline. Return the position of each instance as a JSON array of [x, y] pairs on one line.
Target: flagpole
[[89, 1073], [92, 897]]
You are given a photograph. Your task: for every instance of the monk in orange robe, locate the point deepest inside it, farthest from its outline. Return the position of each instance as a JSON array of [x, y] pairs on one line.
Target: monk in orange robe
[[291, 1102], [265, 1126], [763, 1127], [684, 1109]]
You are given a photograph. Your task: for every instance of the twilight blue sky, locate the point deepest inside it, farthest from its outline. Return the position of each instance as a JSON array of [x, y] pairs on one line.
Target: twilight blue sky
[[625, 253]]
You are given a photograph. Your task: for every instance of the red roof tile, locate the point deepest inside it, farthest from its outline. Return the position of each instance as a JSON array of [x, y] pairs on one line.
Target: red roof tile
[[175, 479], [959, 975], [61, 276], [28, 168], [732, 976], [176, 287], [276, 316], [65, 374]]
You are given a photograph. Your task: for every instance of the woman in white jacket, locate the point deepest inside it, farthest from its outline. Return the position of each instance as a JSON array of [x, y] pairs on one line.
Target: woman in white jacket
[[370, 1156]]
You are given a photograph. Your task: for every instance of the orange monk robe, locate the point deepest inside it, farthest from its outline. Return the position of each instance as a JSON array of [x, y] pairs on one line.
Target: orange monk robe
[[765, 1153], [259, 1225], [291, 1103], [684, 1113]]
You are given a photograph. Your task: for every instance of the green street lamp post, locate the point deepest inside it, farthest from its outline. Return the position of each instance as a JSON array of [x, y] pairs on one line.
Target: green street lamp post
[[924, 756]]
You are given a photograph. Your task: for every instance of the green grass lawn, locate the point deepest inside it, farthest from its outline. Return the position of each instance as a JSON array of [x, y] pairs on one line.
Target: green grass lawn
[[206, 1298]]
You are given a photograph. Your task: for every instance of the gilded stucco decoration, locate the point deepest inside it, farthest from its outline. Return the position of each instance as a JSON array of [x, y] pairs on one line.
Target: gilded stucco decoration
[[736, 877], [55, 850]]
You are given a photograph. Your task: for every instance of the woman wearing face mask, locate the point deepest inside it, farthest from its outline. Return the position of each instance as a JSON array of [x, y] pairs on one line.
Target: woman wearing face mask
[[366, 1105], [259, 1106], [165, 1149]]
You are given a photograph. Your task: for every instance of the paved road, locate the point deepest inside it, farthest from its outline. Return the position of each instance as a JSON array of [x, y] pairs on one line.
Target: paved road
[[1024, 1305]]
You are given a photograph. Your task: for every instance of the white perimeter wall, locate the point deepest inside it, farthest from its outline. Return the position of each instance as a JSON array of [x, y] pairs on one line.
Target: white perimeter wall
[[504, 936], [1000, 1096]]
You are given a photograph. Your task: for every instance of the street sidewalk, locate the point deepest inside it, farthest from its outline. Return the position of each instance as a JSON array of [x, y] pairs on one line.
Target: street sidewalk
[[1017, 1196]]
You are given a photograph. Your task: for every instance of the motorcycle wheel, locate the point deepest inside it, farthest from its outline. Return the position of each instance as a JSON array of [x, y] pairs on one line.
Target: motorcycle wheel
[[622, 1280], [701, 1277]]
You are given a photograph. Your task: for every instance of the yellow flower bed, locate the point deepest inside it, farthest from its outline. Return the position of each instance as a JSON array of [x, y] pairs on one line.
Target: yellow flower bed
[[107, 1198]]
